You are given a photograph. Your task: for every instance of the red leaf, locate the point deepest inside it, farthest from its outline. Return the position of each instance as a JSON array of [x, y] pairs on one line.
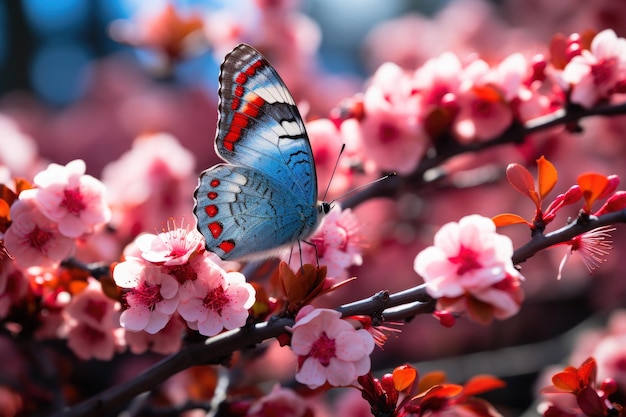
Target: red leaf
[[482, 383], [590, 403], [523, 181], [403, 377], [430, 380], [547, 177], [566, 381], [592, 185], [508, 219], [587, 372]]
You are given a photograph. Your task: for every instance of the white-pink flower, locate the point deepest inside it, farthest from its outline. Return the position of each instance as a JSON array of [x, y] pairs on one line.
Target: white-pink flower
[[69, 197], [33, 239], [329, 349], [468, 255], [594, 73], [337, 244], [484, 112], [152, 295], [90, 324], [279, 402], [215, 300], [391, 133], [171, 247]]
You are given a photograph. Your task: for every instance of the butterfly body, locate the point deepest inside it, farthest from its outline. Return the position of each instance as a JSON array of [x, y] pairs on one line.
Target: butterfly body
[[265, 196]]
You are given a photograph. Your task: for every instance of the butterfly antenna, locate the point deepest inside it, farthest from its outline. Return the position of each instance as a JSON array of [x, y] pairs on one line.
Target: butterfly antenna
[[343, 147], [352, 191]]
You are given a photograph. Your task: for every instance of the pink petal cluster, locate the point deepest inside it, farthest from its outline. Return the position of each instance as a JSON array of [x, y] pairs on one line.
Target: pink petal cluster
[[390, 132], [216, 300], [329, 349], [337, 244], [595, 73], [33, 239], [152, 295], [405, 113], [149, 182], [72, 199], [279, 402], [91, 324], [171, 273], [469, 258]]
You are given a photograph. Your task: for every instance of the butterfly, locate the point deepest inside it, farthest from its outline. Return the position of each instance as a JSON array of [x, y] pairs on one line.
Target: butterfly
[[264, 196]]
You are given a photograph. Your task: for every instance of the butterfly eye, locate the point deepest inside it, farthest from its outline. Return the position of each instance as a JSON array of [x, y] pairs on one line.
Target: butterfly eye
[[324, 207]]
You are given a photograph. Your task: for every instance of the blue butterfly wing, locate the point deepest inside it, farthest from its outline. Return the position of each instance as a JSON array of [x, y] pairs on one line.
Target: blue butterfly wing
[[241, 213], [260, 126], [265, 197]]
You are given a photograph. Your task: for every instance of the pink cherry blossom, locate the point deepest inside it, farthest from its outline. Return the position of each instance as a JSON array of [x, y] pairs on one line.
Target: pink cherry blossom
[[329, 349], [336, 244], [69, 197], [171, 247], [166, 341], [326, 144], [152, 295], [279, 402], [594, 73], [467, 255], [33, 239], [91, 318], [483, 111], [92, 307], [391, 133], [215, 300], [149, 183]]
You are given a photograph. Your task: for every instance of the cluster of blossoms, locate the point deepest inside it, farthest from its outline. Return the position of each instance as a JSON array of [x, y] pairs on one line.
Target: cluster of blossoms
[[403, 113], [171, 272], [47, 220]]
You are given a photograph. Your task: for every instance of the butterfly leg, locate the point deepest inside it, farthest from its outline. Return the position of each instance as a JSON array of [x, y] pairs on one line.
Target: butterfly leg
[[317, 258]]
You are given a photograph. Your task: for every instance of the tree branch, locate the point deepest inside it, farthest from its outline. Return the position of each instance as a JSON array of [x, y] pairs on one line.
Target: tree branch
[[449, 147]]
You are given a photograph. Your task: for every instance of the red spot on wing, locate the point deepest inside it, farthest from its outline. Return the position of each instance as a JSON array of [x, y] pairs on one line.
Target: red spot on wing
[[241, 78], [214, 183], [251, 109], [211, 210], [212, 195], [216, 229], [227, 246]]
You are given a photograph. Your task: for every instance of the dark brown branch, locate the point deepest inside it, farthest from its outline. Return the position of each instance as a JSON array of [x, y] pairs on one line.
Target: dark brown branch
[[564, 234]]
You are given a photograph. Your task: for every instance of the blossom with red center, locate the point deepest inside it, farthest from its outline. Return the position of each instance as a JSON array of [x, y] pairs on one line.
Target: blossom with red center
[[279, 402], [33, 239], [484, 112], [329, 349], [152, 295], [595, 73], [215, 300], [149, 182], [336, 244], [90, 320], [466, 255], [171, 247], [592, 247], [390, 131], [69, 197]]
